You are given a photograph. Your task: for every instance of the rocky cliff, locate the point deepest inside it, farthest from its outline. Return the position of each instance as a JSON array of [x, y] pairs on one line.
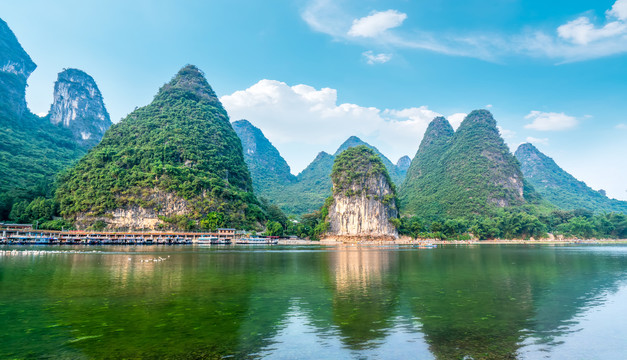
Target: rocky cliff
[[559, 187], [364, 198], [78, 106], [15, 68]]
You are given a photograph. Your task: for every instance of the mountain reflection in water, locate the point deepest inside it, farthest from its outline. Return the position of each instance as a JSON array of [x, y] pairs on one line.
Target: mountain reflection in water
[[484, 302]]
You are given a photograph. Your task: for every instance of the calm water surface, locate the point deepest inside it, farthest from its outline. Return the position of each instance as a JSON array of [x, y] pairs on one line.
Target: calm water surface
[[481, 302]]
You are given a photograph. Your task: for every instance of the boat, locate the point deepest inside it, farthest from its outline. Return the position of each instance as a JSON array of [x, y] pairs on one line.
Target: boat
[[425, 246], [258, 241], [212, 240]]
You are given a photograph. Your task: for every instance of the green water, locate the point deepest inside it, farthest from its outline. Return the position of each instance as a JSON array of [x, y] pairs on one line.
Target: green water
[[482, 302]]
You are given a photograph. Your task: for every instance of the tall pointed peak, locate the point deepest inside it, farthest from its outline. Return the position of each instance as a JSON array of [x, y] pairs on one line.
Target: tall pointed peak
[[321, 155], [527, 148], [439, 130], [349, 143], [190, 79], [78, 106], [440, 125], [480, 117], [243, 122], [403, 163]]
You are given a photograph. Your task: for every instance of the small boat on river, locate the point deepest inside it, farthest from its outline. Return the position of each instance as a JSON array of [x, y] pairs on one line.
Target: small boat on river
[[212, 240], [257, 241]]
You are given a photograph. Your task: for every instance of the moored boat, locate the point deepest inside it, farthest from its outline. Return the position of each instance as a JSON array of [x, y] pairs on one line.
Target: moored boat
[[257, 241], [212, 240]]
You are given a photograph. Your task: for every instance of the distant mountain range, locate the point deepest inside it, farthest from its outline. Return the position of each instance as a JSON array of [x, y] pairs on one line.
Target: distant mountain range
[[179, 161], [464, 172], [306, 192], [454, 173], [559, 187]]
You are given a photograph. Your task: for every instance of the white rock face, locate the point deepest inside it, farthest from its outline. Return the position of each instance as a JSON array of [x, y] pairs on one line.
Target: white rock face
[[15, 68], [78, 106], [364, 210], [139, 218]]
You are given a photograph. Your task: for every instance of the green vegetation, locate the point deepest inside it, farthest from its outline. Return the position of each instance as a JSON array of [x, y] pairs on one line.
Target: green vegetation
[[269, 171], [354, 167], [181, 145], [559, 187], [397, 174], [32, 152], [516, 223], [306, 192], [470, 171]]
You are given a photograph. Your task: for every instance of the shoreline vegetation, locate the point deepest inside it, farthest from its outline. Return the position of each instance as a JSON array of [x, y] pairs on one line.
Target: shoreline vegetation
[[418, 242]]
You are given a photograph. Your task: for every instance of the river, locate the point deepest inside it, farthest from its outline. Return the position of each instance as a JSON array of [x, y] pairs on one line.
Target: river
[[310, 302]]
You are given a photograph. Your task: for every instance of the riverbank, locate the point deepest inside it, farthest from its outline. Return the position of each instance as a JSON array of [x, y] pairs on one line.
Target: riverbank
[[410, 241]]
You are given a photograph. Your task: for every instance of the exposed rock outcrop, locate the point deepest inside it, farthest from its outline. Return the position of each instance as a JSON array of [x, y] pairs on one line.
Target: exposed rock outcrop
[[15, 68], [164, 205], [364, 199], [78, 106]]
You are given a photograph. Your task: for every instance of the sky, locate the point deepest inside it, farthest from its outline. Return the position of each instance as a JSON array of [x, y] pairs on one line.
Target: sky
[[311, 73]]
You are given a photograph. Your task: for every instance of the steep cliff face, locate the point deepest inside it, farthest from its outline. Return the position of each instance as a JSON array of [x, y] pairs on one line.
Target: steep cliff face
[[559, 187], [364, 198], [173, 162], [134, 217], [15, 68], [78, 106]]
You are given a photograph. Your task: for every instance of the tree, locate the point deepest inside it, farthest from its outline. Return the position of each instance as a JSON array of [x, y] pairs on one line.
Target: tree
[[274, 228], [212, 221]]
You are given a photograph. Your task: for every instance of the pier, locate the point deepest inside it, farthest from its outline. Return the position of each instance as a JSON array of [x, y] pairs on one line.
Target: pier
[[21, 234]]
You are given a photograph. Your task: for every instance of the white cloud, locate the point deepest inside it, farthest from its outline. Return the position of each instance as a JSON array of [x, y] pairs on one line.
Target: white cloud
[[489, 106], [533, 140], [376, 23], [621, 126], [581, 31], [301, 121], [456, 119], [505, 133], [42, 114], [618, 10], [550, 121], [372, 58], [576, 40]]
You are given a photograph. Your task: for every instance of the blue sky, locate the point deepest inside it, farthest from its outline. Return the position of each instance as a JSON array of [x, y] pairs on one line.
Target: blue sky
[[310, 73]]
